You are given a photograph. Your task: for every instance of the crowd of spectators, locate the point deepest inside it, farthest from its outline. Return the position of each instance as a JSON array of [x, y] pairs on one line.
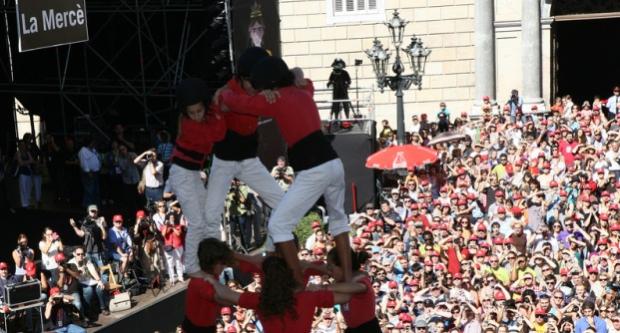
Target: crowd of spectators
[[515, 229]]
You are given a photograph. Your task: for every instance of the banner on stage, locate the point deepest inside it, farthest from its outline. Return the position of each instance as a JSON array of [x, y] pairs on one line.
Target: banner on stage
[[49, 23]]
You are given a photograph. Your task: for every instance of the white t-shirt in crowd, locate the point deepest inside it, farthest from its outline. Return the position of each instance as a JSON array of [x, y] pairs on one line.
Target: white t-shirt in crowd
[[48, 260], [156, 180]]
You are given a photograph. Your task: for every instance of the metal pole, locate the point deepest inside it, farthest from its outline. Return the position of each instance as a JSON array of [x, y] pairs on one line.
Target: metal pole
[[62, 100], [146, 111], [400, 113]]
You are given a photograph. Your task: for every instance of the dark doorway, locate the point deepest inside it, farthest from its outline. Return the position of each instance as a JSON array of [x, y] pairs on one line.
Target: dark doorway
[[587, 65]]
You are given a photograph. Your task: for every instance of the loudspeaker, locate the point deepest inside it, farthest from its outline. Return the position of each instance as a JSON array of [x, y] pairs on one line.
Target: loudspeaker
[[22, 292], [353, 149]]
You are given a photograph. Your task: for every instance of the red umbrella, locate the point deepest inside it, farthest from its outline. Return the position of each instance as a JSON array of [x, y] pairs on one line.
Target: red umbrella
[[401, 157]]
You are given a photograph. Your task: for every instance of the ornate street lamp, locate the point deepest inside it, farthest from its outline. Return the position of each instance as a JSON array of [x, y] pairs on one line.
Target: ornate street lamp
[[379, 58]]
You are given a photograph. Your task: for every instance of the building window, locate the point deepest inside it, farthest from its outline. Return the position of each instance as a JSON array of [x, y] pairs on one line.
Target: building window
[[343, 11]]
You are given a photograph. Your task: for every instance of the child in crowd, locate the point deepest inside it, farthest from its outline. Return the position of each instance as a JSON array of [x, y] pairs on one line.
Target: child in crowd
[[319, 170], [201, 308]]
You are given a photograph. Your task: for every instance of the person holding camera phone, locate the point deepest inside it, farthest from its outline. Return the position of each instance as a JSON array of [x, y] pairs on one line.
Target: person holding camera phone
[[58, 313], [153, 175], [50, 245], [283, 173], [21, 255]]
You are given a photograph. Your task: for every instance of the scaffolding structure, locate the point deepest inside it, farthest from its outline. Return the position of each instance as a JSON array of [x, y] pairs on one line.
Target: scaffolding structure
[[138, 50]]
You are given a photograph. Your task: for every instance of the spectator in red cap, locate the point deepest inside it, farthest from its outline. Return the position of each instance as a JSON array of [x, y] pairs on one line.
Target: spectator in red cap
[[57, 312], [5, 278], [119, 243]]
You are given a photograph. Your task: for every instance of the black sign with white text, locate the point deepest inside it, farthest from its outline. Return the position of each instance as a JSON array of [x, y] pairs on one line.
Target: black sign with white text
[[48, 23]]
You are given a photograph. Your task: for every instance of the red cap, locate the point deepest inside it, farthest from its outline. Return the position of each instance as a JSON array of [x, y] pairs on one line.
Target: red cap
[[592, 270], [462, 203], [440, 267], [604, 217], [316, 224], [517, 211], [540, 311], [481, 253], [140, 214], [546, 165], [553, 183], [615, 227], [457, 276], [563, 193], [613, 206], [231, 329], [54, 291], [564, 271], [424, 182], [443, 189], [605, 194], [517, 196], [481, 227], [414, 282], [117, 218], [415, 206], [391, 304], [499, 296], [498, 241], [225, 310], [499, 194], [318, 251], [602, 241], [357, 241], [31, 269], [471, 196], [600, 171], [60, 257], [486, 98], [4, 265], [405, 317], [454, 196], [365, 235], [501, 210], [393, 284]]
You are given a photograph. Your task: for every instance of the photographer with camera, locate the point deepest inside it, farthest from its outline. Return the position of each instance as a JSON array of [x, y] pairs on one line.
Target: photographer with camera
[[173, 231], [283, 173], [68, 281], [589, 320], [90, 281], [152, 175], [58, 313], [92, 230], [22, 254], [50, 245]]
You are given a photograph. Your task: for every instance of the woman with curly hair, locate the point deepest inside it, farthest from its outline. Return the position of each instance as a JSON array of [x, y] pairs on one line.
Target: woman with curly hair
[[359, 313], [283, 305]]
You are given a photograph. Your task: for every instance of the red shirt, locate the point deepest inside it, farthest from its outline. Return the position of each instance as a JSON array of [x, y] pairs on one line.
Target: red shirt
[[197, 137], [567, 151], [361, 307], [295, 110], [306, 303], [242, 123], [200, 306]]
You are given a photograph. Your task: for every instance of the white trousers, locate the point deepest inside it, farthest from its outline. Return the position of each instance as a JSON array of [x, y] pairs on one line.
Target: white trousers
[[309, 185], [250, 171], [174, 260], [192, 195]]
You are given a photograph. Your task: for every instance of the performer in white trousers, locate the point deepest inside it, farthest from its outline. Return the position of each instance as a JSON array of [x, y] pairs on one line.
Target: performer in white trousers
[[199, 127], [235, 156], [319, 170]]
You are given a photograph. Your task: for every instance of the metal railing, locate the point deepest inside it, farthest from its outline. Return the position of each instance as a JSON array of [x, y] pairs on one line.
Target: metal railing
[[361, 99]]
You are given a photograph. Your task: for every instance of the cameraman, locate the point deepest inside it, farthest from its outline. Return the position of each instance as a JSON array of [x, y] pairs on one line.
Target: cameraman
[[283, 174], [50, 245], [20, 255], [58, 313], [92, 230], [153, 175]]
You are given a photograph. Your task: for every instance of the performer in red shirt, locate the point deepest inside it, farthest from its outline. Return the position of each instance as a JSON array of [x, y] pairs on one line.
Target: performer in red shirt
[[282, 305], [319, 171], [236, 155], [201, 308], [359, 313], [199, 127]]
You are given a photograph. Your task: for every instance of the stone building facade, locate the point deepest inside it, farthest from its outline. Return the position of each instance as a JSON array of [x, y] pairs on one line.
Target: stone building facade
[[478, 47]]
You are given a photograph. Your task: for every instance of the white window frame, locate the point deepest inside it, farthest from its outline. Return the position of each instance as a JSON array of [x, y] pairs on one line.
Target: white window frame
[[376, 15]]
